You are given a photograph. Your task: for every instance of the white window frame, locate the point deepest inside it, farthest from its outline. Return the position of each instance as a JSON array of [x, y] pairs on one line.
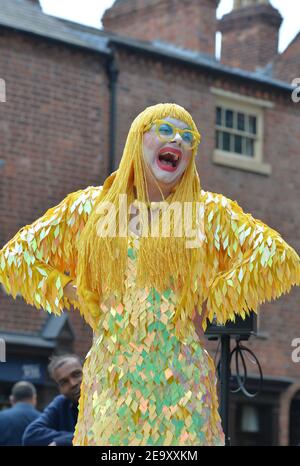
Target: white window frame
[[246, 105]]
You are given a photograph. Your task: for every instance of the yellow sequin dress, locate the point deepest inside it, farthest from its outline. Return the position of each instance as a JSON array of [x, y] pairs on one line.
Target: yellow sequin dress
[[142, 385]]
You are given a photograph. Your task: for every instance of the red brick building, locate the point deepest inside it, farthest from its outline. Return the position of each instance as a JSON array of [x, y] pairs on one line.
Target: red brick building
[[71, 94]]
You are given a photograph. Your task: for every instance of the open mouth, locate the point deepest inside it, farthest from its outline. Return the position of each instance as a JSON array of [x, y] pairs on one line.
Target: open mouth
[[168, 159]]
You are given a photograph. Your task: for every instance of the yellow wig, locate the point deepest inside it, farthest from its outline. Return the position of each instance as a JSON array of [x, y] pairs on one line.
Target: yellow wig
[[163, 262]]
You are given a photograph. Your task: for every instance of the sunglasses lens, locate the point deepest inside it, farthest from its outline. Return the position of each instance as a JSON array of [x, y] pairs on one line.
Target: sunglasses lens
[[188, 137], [165, 130]]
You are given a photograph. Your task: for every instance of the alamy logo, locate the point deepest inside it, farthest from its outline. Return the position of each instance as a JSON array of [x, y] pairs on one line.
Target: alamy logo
[[296, 91], [2, 350], [178, 219], [296, 352], [2, 90]]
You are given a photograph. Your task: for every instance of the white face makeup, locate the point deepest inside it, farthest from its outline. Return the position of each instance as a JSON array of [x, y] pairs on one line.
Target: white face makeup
[[167, 160]]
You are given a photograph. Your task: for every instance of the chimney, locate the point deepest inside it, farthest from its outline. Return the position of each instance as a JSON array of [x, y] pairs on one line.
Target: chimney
[[36, 3], [189, 24], [250, 34]]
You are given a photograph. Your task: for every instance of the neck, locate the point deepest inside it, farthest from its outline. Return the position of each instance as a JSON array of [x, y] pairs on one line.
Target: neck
[[155, 193], [158, 191]]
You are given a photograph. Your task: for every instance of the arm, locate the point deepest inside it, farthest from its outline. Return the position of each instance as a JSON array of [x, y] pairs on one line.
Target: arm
[[44, 430], [252, 261], [40, 260]]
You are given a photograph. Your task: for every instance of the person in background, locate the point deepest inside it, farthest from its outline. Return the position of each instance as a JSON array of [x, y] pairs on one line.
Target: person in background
[[55, 427], [14, 420]]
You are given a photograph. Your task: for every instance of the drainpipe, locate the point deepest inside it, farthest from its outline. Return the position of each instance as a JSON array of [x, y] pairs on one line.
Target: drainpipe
[[112, 73]]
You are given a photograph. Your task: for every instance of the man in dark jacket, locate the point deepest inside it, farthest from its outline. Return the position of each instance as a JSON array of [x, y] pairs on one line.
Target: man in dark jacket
[[57, 423], [14, 420]]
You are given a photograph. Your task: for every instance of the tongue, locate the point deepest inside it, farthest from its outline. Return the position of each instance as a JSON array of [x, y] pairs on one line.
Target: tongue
[[166, 162]]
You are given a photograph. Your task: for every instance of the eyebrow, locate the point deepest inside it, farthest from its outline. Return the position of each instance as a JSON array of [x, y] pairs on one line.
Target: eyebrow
[[72, 373], [186, 127]]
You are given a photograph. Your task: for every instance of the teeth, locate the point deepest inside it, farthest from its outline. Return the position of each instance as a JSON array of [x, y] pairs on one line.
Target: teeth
[[174, 156]]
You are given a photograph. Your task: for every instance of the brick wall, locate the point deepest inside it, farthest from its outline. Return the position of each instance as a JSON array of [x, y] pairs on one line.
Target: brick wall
[[53, 130], [287, 64]]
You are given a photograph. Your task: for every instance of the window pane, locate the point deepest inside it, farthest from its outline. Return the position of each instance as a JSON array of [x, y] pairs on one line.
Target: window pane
[[249, 147], [219, 116], [229, 118], [238, 144], [226, 141], [252, 124], [241, 121], [218, 139]]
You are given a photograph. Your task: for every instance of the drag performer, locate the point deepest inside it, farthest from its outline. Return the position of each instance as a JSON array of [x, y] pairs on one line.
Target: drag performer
[[147, 379]]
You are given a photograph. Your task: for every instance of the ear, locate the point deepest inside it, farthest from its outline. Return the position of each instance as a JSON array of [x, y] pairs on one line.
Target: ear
[[11, 400]]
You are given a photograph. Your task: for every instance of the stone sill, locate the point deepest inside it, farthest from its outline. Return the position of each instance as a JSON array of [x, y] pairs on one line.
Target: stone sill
[[235, 161]]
